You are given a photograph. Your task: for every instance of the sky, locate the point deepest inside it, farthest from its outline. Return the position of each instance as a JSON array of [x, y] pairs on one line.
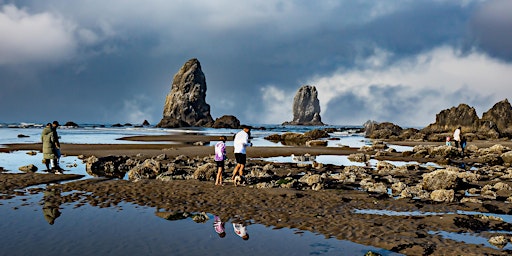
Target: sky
[[400, 61]]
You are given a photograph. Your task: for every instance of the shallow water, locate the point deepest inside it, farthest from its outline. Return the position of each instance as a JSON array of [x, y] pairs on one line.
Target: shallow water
[[469, 238], [133, 230]]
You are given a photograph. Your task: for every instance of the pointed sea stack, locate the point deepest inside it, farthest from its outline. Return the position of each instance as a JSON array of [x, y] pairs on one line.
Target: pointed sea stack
[[306, 107], [185, 105]]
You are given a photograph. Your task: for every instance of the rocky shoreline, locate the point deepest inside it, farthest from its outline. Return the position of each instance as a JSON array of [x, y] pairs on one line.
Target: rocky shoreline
[[321, 198]]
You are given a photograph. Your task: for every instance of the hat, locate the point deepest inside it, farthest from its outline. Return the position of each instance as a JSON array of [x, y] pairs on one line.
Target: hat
[[56, 123]]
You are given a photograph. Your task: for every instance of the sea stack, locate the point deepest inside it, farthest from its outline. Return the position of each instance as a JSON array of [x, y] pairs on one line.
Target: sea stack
[[306, 107], [185, 105]]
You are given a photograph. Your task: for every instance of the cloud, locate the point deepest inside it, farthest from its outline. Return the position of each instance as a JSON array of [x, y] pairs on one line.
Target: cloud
[[413, 90], [137, 109], [275, 107], [491, 27], [40, 37]]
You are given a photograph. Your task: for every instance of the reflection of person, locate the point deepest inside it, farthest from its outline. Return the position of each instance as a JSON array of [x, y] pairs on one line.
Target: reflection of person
[[51, 209], [456, 137], [240, 229], [220, 156], [218, 225], [48, 139], [240, 142]]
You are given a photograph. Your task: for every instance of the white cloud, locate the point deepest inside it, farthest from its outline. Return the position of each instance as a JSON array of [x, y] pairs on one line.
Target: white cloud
[[276, 106], [27, 38], [450, 77], [137, 109]]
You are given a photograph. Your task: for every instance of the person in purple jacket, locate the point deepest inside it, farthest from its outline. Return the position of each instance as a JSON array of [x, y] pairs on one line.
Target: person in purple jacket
[[220, 156]]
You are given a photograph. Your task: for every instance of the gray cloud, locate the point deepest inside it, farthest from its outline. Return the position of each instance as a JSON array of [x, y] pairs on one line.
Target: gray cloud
[[113, 61]]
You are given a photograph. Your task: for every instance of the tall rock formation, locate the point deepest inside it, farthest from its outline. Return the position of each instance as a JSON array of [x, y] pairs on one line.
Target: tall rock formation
[[186, 105], [306, 107]]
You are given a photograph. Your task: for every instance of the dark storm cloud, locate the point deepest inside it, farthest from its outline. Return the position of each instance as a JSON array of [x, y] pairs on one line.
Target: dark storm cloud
[[491, 26], [113, 61]]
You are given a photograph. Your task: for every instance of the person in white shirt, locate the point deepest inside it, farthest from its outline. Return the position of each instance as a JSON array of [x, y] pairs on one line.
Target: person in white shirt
[[456, 137], [240, 142]]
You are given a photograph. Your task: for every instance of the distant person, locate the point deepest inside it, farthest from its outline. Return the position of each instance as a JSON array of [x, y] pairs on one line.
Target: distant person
[[55, 125], [463, 143], [456, 137], [448, 142], [49, 156], [220, 156], [240, 142], [218, 225]]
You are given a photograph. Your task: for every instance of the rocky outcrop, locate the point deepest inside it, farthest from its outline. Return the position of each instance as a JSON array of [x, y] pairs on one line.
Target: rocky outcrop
[[449, 119], [297, 139], [501, 116], [185, 105], [306, 107], [226, 121], [495, 123]]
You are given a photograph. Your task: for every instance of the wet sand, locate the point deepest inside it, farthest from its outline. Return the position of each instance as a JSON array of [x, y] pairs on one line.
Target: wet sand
[[328, 212]]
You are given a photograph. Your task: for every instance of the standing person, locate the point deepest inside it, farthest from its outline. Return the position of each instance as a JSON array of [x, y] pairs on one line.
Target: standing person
[[456, 137], [220, 156], [240, 142], [463, 143], [49, 156], [55, 125]]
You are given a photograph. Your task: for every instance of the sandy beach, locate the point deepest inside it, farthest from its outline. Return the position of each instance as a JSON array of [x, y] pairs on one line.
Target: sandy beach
[[330, 212]]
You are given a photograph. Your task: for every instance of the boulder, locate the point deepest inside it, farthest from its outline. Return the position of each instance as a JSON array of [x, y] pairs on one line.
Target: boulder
[[443, 195], [226, 121], [149, 169], [110, 166], [205, 172], [185, 105], [28, 168], [306, 107], [440, 179], [71, 124]]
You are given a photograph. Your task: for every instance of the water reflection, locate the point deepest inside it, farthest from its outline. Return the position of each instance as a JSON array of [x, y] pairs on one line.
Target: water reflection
[[240, 228], [51, 204], [219, 226]]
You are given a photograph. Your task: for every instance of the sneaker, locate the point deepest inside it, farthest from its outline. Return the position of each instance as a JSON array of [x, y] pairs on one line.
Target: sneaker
[[58, 172]]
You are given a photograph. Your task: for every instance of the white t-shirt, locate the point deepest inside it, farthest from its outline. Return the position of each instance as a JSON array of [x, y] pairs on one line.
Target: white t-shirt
[[456, 135], [241, 141]]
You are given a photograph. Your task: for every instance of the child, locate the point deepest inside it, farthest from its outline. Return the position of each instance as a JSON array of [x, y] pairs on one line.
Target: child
[[220, 156], [448, 142]]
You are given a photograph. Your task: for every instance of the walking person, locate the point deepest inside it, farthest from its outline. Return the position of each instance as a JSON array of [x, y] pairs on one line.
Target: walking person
[[240, 142], [463, 143], [220, 156], [456, 137], [55, 125]]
